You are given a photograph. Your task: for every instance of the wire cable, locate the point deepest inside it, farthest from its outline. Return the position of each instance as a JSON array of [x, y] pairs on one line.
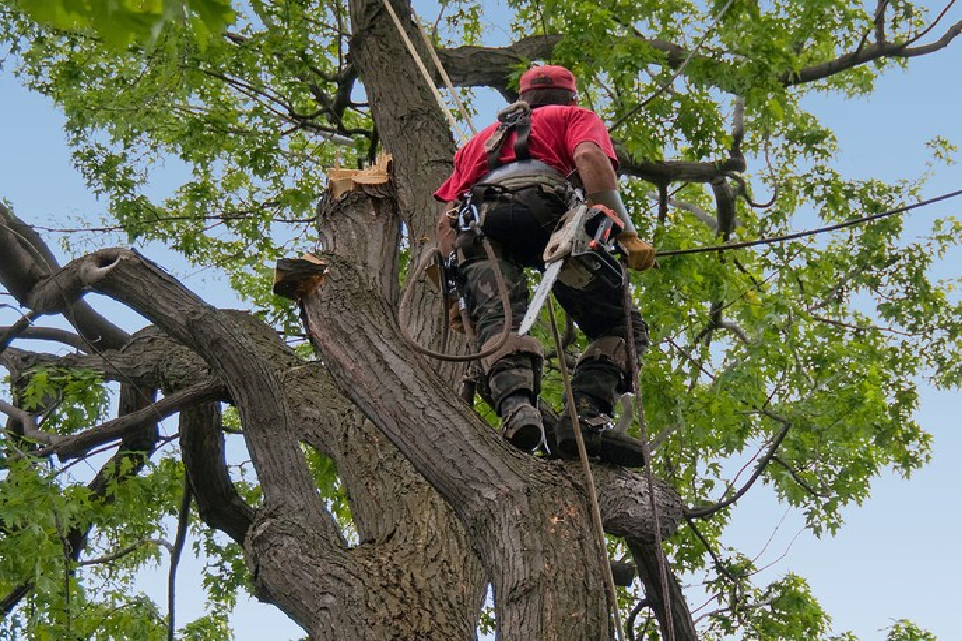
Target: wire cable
[[811, 232]]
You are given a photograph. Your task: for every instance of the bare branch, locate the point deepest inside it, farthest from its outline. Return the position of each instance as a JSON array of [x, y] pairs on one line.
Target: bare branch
[[879, 20], [735, 329], [935, 22], [738, 607], [799, 480], [29, 424], [49, 334], [15, 330], [710, 221], [77, 445], [861, 328], [119, 554], [704, 512]]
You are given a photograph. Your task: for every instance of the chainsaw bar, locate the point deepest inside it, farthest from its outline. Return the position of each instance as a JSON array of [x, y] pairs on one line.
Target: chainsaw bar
[[540, 296]]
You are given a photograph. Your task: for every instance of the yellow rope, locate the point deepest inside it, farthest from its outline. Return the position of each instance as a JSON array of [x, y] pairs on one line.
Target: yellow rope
[[446, 78], [589, 478], [424, 71]]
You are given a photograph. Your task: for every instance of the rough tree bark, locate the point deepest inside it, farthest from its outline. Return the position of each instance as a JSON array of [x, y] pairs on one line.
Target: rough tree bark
[[441, 506]]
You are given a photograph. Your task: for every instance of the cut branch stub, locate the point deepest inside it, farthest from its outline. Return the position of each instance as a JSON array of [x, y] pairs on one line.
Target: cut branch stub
[[368, 234], [296, 277]]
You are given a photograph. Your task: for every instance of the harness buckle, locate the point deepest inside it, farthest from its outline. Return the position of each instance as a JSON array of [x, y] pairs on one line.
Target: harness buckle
[[468, 218]]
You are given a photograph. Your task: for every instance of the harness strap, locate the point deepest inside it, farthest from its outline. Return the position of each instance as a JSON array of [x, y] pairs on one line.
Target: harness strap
[[522, 132], [517, 117]]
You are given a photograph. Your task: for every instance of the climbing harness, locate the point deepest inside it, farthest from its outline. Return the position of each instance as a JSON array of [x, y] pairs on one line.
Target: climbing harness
[[467, 216]]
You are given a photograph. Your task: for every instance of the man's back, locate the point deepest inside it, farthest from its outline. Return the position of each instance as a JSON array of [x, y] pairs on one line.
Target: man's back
[[556, 131]]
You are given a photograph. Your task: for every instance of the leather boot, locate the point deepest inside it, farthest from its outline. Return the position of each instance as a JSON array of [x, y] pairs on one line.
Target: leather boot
[[597, 430], [521, 423]]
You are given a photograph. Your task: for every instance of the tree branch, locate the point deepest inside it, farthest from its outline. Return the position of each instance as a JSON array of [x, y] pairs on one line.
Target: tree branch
[[682, 626], [119, 554], [29, 425], [879, 20], [28, 262], [704, 512], [47, 334], [79, 444], [869, 53], [202, 443]]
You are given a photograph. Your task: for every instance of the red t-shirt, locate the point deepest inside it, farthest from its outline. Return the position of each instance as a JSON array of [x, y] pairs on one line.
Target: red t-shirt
[[555, 132]]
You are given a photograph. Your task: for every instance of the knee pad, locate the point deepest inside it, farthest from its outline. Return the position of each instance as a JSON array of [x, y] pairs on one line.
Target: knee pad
[[513, 368], [609, 349]]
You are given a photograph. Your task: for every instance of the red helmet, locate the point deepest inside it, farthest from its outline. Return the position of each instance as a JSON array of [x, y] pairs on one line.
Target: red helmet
[[548, 77]]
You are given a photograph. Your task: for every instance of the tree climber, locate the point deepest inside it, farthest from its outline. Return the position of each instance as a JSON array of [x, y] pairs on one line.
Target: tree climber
[[515, 173]]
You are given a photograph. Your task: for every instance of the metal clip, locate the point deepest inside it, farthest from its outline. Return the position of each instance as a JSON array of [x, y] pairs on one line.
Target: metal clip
[[467, 218]]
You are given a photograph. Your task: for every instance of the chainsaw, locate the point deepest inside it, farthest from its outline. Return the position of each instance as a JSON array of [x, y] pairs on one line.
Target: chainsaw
[[578, 254]]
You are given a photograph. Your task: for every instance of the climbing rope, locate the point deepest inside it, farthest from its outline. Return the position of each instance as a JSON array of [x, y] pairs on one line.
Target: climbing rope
[[810, 232], [646, 453], [589, 477], [427, 74], [447, 79], [404, 308]]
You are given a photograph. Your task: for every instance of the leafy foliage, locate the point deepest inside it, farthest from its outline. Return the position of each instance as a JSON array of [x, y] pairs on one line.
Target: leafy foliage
[[824, 339], [118, 23]]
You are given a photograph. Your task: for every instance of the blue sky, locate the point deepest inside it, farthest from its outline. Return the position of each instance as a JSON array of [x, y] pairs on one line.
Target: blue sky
[[894, 558]]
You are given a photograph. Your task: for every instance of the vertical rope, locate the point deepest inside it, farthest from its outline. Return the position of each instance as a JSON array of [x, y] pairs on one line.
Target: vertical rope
[[424, 70], [589, 478], [646, 452], [446, 78]]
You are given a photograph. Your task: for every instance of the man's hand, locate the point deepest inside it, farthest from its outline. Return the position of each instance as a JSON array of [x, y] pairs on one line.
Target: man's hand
[[641, 255]]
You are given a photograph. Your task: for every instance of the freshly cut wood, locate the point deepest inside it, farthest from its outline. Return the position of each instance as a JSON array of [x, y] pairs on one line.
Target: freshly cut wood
[[341, 181], [295, 277]]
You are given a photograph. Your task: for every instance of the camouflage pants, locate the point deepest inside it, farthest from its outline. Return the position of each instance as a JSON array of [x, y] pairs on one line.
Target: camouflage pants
[[598, 310]]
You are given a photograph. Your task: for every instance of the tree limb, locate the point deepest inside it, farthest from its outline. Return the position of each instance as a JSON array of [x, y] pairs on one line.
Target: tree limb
[[202, 444], [28, 262], [869, 53], [183, 520], [77, 445], [119, 554], [704, 512], [49, 334], [682, 626]]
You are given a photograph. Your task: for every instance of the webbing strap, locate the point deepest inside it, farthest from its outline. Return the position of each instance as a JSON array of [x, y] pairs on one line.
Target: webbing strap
[[517, 117], [522, 131]]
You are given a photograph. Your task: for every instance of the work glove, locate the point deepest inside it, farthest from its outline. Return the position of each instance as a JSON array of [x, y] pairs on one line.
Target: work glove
[[640, 255]]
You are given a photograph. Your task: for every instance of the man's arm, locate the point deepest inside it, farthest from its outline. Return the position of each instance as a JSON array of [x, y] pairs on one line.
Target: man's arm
[[601, 185]]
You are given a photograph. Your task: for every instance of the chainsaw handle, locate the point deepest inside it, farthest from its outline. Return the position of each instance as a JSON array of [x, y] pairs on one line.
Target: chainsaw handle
[[609, 226]]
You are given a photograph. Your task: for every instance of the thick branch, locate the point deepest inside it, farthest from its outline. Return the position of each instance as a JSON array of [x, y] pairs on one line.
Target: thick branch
[[623, 496], [129, 278], [218, 502], [27, 263], [27, 424], [78, 445], [492, 66], [869, 53], [150, 360], [646, 559], [50, 334]]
